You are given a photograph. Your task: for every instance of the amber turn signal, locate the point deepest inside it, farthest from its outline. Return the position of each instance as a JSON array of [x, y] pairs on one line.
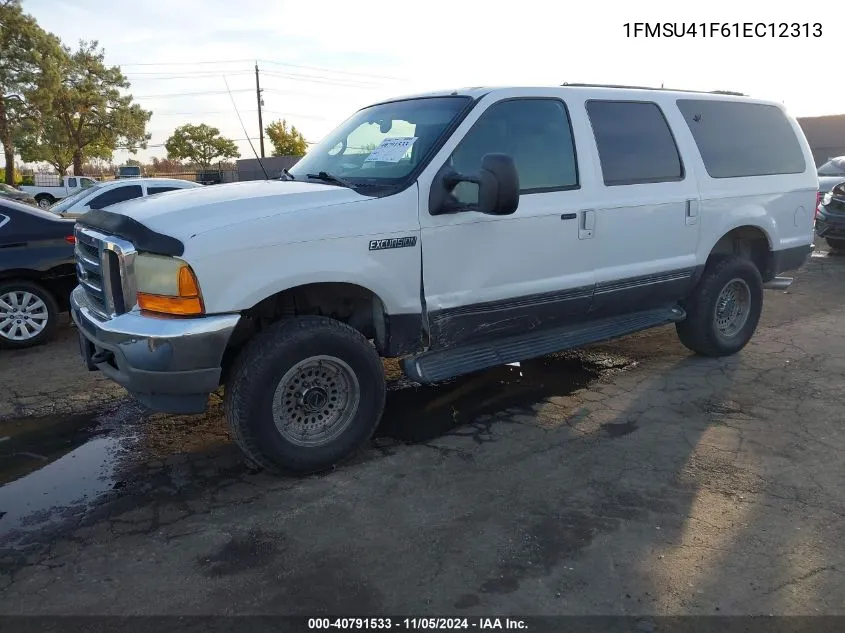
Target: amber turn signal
[[188, 303]]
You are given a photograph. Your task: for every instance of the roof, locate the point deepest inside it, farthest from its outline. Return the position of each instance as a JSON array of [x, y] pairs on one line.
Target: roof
[[148, 181], [590, 89]]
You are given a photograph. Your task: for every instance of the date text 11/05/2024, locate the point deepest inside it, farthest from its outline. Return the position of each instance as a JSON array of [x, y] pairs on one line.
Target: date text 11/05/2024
[[723, 29], [414, 624]]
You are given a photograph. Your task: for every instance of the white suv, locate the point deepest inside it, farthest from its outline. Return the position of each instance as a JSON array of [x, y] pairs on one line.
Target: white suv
[[459, 230], [109, 192]]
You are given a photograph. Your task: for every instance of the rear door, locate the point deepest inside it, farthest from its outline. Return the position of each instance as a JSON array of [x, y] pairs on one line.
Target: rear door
[[647, 208]]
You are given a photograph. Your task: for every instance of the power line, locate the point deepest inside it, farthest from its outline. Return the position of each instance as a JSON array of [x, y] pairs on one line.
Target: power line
[[265, 61]]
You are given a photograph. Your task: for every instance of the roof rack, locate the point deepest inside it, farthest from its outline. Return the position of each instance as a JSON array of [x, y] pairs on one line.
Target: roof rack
[[719, 92]]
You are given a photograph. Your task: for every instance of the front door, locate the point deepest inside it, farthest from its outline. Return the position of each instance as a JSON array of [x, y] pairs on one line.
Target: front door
[[488, 276]]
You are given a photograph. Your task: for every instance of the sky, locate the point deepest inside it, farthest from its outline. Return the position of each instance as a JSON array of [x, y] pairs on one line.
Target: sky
[[321, 61]]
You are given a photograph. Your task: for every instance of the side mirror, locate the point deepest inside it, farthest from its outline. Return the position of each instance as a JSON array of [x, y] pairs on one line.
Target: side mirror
[[498, 188]]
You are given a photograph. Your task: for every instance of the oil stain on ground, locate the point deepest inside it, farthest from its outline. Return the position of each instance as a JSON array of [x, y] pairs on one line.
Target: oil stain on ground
[[417, 413]]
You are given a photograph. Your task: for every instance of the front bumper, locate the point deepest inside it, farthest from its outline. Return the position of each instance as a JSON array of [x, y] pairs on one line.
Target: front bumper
[[168, 364], [830, 224]]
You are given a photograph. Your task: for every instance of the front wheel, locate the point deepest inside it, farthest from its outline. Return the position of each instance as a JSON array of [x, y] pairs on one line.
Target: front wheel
[[836, 244], [724, 308], [28, 314], [305, 394]]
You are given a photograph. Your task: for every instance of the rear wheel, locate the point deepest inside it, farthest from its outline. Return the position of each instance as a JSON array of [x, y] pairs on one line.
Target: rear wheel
[[44, 200], [305, 394], [836, 244], [724, 309], [28, 314]]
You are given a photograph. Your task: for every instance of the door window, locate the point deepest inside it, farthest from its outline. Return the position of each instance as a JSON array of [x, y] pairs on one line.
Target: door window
[[536, 133], [151, 191], [71, 183], [113, 196], [635, 143]]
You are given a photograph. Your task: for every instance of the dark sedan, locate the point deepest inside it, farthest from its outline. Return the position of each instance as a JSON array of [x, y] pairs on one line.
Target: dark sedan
[[830, 218], [37, 273]]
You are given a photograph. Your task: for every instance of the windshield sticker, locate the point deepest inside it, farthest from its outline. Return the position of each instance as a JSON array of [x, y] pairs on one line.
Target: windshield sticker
[[391, 150]]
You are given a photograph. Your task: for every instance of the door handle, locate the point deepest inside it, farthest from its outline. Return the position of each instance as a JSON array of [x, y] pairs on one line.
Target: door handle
[[691, 214], [568, 216], [587, 224]]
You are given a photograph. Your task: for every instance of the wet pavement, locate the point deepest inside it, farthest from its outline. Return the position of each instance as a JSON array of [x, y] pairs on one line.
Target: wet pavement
[[627, 478]]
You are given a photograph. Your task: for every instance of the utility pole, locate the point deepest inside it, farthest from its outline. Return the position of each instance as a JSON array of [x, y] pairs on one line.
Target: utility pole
[[260, 103]]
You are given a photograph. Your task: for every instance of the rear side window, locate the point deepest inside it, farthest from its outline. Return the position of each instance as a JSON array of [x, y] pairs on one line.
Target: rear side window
[[738, 139], [71, 183], [113, 196], [151, 191], [635, 143]]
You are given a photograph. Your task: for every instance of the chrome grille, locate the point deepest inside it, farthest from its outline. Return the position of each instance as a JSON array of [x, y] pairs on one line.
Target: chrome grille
[[105, 269]]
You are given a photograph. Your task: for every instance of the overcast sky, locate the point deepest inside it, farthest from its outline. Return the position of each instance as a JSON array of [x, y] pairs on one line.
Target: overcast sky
[[320, 61]]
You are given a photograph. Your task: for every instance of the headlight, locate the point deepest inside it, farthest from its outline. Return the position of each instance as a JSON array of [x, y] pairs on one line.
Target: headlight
[[167, 285]]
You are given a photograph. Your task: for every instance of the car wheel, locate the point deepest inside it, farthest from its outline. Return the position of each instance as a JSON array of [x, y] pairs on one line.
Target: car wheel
[[28, 314], [304, 395], [724, 309], [44, 201], [836, 244]]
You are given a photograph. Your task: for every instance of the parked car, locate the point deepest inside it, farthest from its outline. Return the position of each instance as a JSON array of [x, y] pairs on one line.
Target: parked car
[[48, 188], [111, 192], [37, 273], [478, 228], [830, 219], [831, 174], [8, 192]]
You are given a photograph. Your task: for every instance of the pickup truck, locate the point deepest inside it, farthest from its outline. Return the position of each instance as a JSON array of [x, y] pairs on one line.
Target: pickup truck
[[459, 231], [47, 189]]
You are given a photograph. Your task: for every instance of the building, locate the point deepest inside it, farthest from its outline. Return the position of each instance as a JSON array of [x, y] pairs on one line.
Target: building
[[826, 136]]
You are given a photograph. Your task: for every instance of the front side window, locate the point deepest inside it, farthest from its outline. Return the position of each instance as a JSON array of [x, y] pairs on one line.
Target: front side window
[[635, 143], [383, 144], [113, 196], [738, 139], [78, 196], [534, 132]]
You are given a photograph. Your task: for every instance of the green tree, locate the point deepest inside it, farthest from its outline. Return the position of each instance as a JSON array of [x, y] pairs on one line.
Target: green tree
[[200, 144], [42, 139], [85, 113], [28, 58], [286, 141]]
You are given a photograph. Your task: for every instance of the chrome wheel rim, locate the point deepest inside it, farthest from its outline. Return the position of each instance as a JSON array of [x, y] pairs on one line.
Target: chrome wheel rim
[[23, 315], [44, 203], [315, 401], [732, 308]]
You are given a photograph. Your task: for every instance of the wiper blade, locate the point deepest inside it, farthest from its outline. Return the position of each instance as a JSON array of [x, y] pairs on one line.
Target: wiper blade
[[327, 177]]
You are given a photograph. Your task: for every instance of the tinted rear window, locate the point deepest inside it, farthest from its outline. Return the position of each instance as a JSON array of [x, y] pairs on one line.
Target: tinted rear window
[[635, 143], [743, 139]]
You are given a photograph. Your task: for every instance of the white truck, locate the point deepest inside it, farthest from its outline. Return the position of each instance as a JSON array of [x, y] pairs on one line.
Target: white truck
[[459, 230], [49, 188]]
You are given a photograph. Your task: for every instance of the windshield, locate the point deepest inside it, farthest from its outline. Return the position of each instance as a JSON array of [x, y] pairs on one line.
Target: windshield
[[65, 203], [833, 167], [382, 144]]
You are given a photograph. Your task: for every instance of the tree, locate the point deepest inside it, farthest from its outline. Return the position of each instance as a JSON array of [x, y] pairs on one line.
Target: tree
[[27, 53], [42, 139], [85, 113], [286, 141], [200, 144]]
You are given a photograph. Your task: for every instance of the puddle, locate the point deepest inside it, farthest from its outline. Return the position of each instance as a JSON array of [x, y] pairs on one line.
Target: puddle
[[418, 413], [49, 465]]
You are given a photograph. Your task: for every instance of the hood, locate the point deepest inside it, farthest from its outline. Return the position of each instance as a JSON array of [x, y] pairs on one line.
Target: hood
[[826, 183], [184, 213]]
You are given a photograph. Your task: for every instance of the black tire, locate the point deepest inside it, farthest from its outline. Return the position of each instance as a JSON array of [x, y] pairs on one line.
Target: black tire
[[836, 244], [268, 358], [700, 331], [44, 200], [50, 304]]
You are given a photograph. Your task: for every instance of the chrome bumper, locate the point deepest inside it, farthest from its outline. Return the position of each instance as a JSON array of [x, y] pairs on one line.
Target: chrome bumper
[[169, 364]]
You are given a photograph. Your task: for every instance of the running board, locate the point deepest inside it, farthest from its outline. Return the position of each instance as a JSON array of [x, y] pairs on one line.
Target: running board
[[431, 367]]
